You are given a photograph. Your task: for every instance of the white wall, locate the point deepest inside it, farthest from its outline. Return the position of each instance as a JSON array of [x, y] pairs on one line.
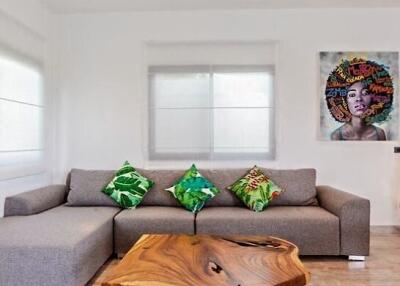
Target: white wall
[[28, 13], [25, 29], [102, 111]]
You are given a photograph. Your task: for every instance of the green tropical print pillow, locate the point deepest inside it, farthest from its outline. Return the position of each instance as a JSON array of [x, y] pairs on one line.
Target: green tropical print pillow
[[193, 190], [255, 189], [128, 187]]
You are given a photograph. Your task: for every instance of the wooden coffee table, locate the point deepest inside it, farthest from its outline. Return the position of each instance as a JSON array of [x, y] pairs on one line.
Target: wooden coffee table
[[182, 260]]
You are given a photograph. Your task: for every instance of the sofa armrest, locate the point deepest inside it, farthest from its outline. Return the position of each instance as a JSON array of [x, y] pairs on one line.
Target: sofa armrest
[[354, 215], [35, 201]]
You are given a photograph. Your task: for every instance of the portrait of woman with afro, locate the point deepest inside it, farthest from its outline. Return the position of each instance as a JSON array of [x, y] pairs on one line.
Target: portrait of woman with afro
[[359, 95]]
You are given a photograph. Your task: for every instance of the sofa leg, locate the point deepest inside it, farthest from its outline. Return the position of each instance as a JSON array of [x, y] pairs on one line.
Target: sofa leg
[[356, 258]]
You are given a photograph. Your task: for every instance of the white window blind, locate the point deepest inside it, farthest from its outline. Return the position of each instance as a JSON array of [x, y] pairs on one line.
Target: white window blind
[[21, 118], [211, 112]]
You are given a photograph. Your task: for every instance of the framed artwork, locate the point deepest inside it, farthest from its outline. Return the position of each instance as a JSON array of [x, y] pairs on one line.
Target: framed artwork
[[358, 96]]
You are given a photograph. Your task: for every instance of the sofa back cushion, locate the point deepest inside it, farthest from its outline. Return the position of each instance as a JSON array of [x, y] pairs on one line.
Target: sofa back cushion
[[298, 185], [223, 178], [85, 188], [163, 179]]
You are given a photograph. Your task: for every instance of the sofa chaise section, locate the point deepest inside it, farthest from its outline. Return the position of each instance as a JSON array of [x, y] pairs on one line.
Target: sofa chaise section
[[60, 246]]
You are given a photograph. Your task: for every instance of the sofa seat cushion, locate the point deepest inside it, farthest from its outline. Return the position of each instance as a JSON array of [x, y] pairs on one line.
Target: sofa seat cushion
[[131, 224], [61, 246], [314, 230]]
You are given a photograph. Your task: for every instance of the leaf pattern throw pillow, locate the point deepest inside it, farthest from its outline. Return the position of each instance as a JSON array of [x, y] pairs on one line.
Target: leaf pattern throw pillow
[[128, 187], [255, 189], [193, 190]]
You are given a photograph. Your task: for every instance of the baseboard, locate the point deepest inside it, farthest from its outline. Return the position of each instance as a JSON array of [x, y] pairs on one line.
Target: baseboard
[[385, 228]]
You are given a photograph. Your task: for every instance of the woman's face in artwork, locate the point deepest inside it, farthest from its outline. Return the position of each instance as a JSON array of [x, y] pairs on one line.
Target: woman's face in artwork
[[358, 99]]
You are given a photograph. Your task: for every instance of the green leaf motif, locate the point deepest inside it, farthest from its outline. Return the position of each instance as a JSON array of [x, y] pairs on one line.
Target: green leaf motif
[[126, 168], [125, 183], [125, 201], [109, 191], [193, 190], [255, 190], [128, 187]]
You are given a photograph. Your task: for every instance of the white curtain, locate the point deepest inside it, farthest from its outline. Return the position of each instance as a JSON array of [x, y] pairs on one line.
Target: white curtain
[[211, 112], [22, 101]]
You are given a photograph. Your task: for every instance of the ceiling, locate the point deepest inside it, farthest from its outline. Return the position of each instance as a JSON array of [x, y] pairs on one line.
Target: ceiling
[[94, 6]]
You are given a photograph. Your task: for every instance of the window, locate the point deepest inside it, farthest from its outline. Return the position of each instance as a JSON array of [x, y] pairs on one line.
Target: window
[[211, 112], [21, 119]]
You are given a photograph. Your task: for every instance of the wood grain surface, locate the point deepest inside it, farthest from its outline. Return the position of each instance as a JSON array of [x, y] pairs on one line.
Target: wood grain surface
[[183, 260]]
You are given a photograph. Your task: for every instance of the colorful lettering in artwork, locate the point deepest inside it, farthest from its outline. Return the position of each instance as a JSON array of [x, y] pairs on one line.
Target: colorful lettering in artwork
[[374, 77]]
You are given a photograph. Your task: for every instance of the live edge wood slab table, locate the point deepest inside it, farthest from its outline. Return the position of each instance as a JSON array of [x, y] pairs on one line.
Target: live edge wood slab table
[[197, 260]]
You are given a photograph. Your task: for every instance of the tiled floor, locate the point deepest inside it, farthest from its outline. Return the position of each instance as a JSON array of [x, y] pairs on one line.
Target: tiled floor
[[381, 268]]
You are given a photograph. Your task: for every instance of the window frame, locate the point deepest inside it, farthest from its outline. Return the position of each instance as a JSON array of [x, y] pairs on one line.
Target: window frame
[[210, 154]]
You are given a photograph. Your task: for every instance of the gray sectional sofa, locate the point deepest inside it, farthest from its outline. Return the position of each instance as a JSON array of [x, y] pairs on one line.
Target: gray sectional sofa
[[62, 234]]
